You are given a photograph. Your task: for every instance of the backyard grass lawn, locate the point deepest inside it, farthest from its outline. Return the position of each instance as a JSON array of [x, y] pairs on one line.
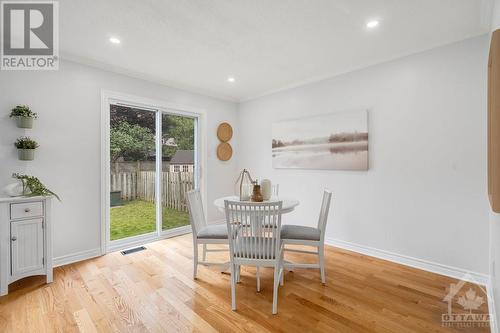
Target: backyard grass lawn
[[138, 217]]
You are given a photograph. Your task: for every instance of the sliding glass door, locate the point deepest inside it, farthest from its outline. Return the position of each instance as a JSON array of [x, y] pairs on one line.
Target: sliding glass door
[[132, 172], [177, 178], [153, 163]]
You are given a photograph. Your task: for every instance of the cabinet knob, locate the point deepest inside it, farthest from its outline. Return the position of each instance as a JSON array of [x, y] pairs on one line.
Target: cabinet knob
[[27, 210], [14, 238]]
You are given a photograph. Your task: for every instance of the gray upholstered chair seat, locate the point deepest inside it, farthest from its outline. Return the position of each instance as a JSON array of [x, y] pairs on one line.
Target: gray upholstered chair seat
[[216, 231], [300, 232]]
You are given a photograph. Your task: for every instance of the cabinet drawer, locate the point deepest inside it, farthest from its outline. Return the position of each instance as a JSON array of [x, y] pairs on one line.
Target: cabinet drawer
[[26, 210]]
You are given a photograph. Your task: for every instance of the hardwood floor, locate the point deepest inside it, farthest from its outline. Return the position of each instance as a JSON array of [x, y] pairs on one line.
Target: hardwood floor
[[153, 291]]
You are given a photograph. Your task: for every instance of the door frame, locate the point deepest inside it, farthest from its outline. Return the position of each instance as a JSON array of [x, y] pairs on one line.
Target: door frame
[[162, 107]]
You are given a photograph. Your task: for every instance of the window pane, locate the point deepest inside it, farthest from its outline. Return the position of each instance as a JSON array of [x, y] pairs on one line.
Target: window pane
[[133, 159], [178, 165]]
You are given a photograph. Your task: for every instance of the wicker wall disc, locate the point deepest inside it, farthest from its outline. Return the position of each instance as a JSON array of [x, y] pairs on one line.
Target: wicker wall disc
[[224, 132], [224, 151]]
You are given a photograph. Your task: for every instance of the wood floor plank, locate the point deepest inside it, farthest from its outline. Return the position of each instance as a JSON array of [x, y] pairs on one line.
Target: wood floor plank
[[84, 322], [153, 291]]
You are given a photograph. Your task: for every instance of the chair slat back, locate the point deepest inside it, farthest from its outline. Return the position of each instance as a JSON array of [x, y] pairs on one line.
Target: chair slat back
[[254, 229], [275, 190], [195, 207], [323, 214]]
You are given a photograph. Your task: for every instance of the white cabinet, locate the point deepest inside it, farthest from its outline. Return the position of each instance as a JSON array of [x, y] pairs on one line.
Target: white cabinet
[[26, 246], [25, 239]]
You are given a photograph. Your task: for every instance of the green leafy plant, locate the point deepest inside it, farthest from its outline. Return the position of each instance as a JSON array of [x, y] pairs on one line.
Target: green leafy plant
[[130, 141], [32, 186], [26, 143], [22, 111]]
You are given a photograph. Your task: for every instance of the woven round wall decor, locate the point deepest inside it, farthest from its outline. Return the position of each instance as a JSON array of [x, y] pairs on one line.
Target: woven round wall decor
[[224, 132], [224, 151]]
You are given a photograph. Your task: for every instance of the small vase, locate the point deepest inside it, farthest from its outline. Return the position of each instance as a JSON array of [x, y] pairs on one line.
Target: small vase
[[266, 188], [26, 154], [257, 195], [24, 122]]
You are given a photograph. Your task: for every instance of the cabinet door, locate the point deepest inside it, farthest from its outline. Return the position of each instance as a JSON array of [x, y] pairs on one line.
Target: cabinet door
[[26, 246]]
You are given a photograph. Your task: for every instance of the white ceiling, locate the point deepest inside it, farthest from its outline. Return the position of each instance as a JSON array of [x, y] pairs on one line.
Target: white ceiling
[[267, 45]]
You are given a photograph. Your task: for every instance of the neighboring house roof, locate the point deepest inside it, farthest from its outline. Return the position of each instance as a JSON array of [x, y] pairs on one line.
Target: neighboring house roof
[[183, 157]]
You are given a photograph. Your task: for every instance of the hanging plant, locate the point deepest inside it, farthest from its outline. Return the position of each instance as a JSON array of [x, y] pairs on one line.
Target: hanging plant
[[26, 143], [26, 148], [24, 116], [32, 186]]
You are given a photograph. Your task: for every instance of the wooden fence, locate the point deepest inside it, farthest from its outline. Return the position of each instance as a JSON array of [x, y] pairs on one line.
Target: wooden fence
[[141, 186]]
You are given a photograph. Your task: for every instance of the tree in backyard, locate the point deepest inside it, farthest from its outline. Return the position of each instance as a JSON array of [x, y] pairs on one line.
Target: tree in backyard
[[182, 130], [132, 142], [121, 113]]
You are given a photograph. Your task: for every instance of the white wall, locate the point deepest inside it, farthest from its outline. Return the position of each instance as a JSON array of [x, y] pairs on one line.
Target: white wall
[[68, 129], [425, 193], [495, 22]]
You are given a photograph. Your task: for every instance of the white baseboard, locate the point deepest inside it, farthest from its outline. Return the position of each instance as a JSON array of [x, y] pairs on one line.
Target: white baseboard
[[454, 272], [75, 257]]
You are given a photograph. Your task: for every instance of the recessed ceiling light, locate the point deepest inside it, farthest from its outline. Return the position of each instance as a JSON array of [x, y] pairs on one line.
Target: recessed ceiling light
[[114, 40], [372, 24], [231, 79]]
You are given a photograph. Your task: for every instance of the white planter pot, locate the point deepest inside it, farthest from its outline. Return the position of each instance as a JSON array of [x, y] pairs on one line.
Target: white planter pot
[[26, 154], [24, 122]]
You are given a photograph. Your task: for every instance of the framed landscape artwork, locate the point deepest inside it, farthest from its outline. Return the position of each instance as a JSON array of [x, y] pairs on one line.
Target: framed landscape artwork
[[337, 141]]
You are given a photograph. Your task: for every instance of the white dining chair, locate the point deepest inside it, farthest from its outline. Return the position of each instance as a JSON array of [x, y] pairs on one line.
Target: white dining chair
[[253, 244], [309, 236], [204, 233]]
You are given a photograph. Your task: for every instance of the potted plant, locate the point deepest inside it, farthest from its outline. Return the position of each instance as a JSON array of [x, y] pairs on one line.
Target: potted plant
[[26, 148], [24, 116]]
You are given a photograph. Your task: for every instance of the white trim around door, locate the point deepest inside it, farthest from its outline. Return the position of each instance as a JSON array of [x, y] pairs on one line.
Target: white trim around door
[[163, 107]]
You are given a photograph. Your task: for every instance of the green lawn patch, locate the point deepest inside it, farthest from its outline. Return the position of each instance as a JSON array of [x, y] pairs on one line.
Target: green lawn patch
[[138, 217]]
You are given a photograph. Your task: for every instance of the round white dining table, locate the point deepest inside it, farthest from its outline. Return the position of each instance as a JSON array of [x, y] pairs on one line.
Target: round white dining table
[[287, 206]]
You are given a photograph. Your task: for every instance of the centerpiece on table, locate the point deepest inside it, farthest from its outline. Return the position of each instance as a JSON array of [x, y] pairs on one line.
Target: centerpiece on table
[[250, 190]]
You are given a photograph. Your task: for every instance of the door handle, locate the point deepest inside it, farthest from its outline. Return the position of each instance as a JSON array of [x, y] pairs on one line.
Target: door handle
[[14, 238], [27, 210]]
